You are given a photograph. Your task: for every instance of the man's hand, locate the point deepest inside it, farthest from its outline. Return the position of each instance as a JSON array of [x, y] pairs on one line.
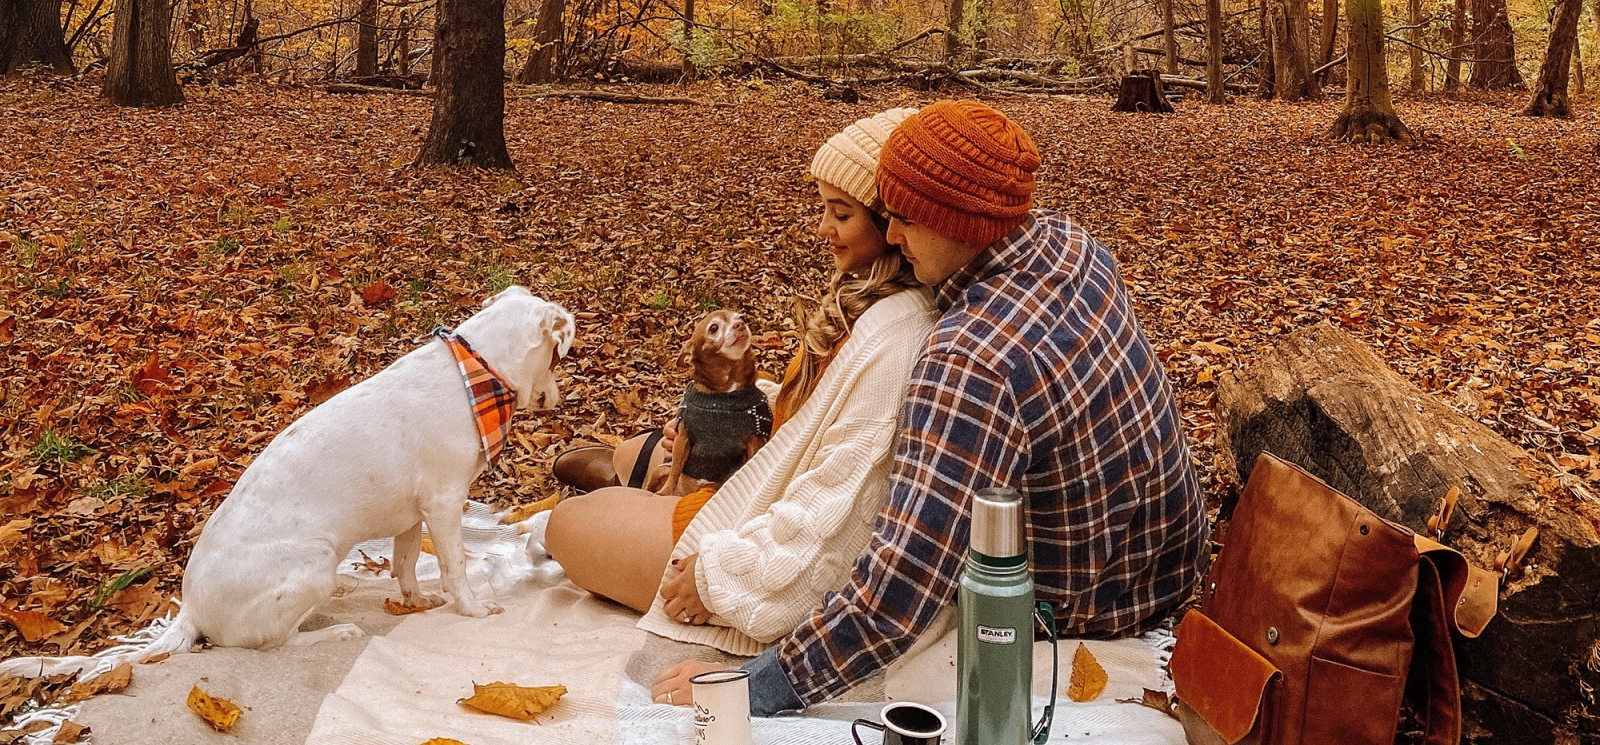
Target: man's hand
[[682, 596], [672, 685]]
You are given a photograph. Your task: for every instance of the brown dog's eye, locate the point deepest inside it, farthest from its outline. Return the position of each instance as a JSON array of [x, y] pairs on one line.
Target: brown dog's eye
[[712, 328]]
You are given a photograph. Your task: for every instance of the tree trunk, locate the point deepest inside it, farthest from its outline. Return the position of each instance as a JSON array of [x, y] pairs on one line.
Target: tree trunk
[[1268, 66], [1214, 90], [956, 15], [1550, 90], [1141, 93], [402, 46], [1324, 401], [1169, 37], [1368, 114], [1494, 45], [1330, 32], [548, 33], [468, 126], [30, 34], [1458, 32], [1578, 83], [140, 70], [1414, 81], [1291, 49], [688, 39], [367, 39]]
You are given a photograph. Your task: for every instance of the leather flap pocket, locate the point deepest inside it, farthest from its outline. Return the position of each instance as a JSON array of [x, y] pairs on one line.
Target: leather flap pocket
[[1218, 677]]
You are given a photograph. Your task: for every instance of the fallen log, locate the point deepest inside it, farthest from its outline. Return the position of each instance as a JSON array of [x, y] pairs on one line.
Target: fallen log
[[1326, 402], [368, 89], [618, 97], [1174, 82]]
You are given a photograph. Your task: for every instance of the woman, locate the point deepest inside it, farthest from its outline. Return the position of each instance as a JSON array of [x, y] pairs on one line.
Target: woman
[[787, 526]]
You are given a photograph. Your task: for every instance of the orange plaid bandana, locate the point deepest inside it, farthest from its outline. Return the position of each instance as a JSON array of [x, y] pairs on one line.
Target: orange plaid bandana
[[493, 402]]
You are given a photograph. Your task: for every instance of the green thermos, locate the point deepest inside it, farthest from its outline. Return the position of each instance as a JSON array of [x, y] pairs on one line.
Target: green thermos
[[994, 654]]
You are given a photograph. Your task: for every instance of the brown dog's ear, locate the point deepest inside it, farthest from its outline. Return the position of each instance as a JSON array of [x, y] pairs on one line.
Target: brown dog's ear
[[686, 355]]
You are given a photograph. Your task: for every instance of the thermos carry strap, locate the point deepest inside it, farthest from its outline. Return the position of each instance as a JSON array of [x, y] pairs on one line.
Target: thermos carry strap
[[1047, 616]]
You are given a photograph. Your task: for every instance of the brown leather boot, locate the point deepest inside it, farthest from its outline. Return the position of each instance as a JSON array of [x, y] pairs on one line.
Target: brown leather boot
[[585, 468]]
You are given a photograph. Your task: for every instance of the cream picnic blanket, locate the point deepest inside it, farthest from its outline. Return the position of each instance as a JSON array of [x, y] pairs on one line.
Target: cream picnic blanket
[[400, 685]]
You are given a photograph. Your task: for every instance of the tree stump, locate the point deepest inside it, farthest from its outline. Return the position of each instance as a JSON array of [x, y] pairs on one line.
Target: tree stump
[[1141, 92], [1324, 401]]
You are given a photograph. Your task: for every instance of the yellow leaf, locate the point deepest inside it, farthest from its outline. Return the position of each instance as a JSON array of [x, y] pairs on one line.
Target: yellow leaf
[[33, 625], [401, 609], [514, 701], [1206, 376], [443, 741], [427, 546], [112, 682], [518, 514], [1088, 677], [220, 713], [12, 532]]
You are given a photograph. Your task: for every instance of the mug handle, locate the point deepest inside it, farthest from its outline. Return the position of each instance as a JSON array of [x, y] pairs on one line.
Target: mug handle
[[1046, 615], [864, 723]]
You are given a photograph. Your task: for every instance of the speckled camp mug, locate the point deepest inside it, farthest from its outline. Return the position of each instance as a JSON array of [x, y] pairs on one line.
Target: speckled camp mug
[[905, 723], [721, 707]]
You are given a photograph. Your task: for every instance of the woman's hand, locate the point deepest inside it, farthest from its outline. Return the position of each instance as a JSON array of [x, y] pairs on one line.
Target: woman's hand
[[682, 595], [672, 685]]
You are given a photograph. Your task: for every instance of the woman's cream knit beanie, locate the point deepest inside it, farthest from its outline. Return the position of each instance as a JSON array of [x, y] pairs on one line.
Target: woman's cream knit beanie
[[849, 160]]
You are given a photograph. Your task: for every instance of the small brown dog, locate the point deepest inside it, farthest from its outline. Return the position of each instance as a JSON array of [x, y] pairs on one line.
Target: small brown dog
[[724, 417]]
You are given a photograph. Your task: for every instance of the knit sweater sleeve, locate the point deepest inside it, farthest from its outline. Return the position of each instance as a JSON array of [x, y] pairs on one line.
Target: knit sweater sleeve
[[764, 575]]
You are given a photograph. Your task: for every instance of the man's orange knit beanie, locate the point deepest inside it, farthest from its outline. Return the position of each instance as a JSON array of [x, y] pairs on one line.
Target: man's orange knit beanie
[[960, 168]]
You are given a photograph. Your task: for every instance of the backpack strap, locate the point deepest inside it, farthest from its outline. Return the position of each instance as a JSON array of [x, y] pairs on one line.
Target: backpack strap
[[1433, 685]]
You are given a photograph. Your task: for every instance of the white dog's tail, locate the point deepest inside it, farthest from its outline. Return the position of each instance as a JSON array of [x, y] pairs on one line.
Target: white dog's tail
[[164, 636]]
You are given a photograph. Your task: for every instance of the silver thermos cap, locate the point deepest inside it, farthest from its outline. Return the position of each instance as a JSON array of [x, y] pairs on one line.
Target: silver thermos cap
[[997, 523]]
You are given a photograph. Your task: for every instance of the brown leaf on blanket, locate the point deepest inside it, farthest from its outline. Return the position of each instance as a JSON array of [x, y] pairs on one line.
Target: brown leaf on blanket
[[1159, 700], [443, 741], [518, 514], [1088, 677], [381, 564], [220, 713], [401, 609], [33, 625], [514, 701], [112, 682], [69, 731]]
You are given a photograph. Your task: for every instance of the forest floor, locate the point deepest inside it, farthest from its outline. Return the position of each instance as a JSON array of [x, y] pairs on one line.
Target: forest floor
[[177, 286]]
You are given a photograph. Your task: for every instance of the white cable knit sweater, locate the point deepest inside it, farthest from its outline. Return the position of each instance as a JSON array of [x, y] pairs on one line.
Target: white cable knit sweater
[[790, 523]]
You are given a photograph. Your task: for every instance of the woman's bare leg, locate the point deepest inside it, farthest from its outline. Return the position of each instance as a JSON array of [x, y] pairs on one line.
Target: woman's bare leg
[[614, 542], [627, 454]]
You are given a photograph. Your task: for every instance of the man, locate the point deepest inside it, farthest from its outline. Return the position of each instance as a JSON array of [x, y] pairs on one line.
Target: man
[[1037, 377]]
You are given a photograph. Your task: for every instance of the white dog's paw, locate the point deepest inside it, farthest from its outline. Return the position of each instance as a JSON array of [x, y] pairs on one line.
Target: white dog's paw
[[337, 633], [494, 608], [422, 599], [472, 610]]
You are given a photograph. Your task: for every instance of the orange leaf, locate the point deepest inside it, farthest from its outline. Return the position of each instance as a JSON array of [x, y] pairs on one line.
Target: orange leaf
[[112, 682], [443, 741], [1088, 677], [377, 293], [401, 609], [322, 390], [220, 713], [33, 625], [514, 701], [150, 379], [12, 532], [69, 731], [427, 546]]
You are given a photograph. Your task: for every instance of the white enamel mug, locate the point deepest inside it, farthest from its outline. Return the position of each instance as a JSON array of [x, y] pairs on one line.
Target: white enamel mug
[[721, 707]]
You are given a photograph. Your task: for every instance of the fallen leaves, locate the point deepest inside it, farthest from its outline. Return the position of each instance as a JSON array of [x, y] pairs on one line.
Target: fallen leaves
[[443, 741], [111, 682], [220, 713], [13, 532], [1159, 700], [514, 701], [397, 608], [378, 293], [69, 731], [1088, 677], [33, 625], [369, 564]]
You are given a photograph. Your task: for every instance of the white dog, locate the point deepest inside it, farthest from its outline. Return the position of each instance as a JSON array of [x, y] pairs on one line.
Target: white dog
[[380, 459]]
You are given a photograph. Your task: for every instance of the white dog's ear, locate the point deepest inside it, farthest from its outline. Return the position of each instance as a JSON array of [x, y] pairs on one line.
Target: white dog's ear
[[555, 323]]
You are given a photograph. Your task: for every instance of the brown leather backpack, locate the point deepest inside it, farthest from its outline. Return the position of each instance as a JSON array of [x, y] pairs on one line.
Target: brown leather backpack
[[1319, 617]]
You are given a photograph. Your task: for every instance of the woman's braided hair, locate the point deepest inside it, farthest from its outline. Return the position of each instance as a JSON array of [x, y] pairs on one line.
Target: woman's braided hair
[[848, 296]]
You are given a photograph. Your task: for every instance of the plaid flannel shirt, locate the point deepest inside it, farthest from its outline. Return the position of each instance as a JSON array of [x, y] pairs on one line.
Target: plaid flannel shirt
[[1037, 377]]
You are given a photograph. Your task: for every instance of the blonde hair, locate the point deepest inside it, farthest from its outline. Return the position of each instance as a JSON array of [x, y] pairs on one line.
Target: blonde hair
[[822, 327]]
